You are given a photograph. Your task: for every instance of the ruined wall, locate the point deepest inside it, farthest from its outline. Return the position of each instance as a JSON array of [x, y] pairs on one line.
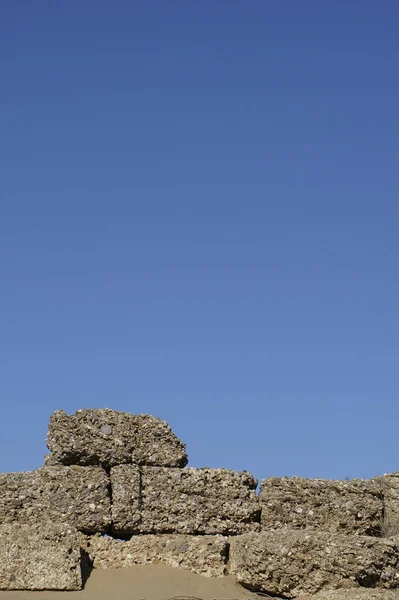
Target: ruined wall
[[115, 491]]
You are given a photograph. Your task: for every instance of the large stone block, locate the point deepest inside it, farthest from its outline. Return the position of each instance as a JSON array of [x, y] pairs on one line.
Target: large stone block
[[358, 594], [107, 437], [354, 506], [202, 554], [75, 495], [39, 557], [198, 501], [289, 563], [126, 498]]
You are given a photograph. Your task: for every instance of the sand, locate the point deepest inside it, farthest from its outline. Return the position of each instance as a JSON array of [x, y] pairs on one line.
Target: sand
[[144, 582]]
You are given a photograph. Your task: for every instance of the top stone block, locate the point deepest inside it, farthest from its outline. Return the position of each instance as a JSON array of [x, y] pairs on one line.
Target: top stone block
[[108, 438]]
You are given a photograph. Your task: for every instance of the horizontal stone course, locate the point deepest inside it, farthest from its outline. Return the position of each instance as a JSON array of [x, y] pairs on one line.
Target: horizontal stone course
[[108, 438], [75, 495], [190, 501], [354, 506], [289, 563], [39, 557], [204, 554]]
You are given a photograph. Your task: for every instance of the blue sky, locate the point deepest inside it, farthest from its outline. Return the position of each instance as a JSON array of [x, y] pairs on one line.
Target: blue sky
[[199, 220]]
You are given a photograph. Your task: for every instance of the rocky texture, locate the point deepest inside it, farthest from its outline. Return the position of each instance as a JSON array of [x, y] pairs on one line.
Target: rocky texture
[[354, 506], [75, 495], [290, 562], [389, 485], [358, 594], [45, 557], [204, 554], [107, 437], [190, 501], [126, 499], [156, 444]]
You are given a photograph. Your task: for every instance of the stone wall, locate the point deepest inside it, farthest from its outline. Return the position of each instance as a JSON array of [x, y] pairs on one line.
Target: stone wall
[[115, 491]]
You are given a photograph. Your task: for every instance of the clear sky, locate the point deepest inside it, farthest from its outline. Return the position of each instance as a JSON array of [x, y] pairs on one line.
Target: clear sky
[[199, 220]]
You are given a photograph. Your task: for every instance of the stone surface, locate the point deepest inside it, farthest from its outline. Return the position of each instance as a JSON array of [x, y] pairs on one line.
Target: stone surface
[[126, 498], [354, 506], [39, 557], [203, 554], [357, 594], [75, 495], [293, 562], [190, 501], [107, 437], [156, 444], [205, 501], [390, 491]]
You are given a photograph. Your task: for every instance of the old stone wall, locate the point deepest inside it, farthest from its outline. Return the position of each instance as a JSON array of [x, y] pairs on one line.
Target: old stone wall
[[116, 490]]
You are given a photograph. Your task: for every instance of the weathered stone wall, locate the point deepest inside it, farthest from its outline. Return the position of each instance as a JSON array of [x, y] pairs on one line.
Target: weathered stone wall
[[126, 476]]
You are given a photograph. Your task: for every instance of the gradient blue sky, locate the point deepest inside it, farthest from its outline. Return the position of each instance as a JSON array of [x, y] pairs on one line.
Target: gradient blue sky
[[199, 220]]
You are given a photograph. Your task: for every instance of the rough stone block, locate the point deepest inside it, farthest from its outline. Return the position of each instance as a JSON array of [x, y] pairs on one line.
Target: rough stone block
[[289, 563], [203, 554], [75, 495], [156, 445], [354, 506], [126, 498], [39, 557], [192, 501], [107, 437]]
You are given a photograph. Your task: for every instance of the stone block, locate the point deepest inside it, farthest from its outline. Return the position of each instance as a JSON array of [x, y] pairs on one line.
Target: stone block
[[203, 554], [354, 506], [75, 495], [39, 557], [198, 501], [289, 563], [108, 438]]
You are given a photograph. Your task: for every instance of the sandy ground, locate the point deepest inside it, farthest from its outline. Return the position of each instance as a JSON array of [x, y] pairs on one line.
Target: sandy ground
[[147, 582]]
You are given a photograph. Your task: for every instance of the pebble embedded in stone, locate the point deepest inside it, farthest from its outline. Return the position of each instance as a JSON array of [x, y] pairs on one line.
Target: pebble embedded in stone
[[106, 429]]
